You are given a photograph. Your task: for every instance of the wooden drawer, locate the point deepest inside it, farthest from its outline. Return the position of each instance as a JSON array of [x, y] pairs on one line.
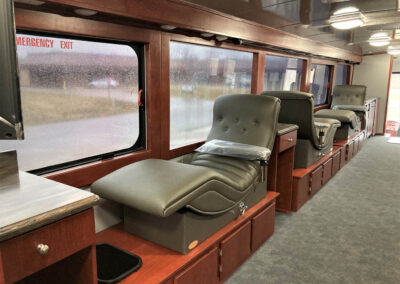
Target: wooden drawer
[[336, 163], [286, 141], [203, 271], [235, 250], [262, 226], [20, 255], [316, 179], [327, 172]]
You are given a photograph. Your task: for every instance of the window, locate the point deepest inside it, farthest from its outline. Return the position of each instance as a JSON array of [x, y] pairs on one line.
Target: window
[[282, 73], [198, 75], [341, 74], [319, 85], [79, 100]]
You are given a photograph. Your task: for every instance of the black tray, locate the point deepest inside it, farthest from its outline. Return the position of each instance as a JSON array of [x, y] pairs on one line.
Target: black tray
[[114, 264]]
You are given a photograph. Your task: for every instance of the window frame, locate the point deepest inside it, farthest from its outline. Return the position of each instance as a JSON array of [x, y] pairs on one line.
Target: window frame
[[301, 58], [140, 143], [258, 53], [332, 72]]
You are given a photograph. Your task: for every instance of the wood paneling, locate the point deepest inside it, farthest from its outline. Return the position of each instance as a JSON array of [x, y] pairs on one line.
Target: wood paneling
[[194, 17], [336, 163], [305, 77], [316, 179], [257, 74], [2, 279], [235, 250], [203, 271], [327, 172], [64, 238], [262, 227]]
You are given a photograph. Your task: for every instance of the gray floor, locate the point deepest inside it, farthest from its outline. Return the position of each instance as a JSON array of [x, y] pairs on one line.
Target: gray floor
[[348, 233]]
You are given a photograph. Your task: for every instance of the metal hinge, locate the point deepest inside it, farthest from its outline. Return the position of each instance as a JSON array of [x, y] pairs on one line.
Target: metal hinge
[[220, 268], [220, 252]]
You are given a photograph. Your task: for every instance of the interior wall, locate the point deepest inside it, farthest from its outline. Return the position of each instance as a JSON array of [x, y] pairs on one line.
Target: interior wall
[[373, 72]]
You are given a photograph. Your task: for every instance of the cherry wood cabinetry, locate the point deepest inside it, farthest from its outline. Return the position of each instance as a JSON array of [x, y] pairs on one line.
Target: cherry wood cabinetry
[[371, 116], [203, 271], [39, 253], [235, 250], [280, 167], [262, 227], [212, 261], [336, 162], [308, 181]]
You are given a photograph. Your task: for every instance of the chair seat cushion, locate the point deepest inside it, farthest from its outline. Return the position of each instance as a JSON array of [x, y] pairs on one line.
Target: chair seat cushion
[[211, 185], [344, 116]]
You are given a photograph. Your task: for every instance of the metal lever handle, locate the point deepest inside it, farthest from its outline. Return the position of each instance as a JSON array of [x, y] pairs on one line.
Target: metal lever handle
[[42, 249], [290, 139], [242, 208]]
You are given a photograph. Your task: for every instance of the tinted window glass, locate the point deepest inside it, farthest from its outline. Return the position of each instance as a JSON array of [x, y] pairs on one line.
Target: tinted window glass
[[282, 73], [198, 75], [341, 74], [319, 84], [79, 99]]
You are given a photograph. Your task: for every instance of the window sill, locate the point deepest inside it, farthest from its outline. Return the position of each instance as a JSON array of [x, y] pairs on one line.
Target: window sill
[[87, 174]]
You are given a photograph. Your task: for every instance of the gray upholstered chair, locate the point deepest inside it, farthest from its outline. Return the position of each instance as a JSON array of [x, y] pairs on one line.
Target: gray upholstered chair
[[348, 107], [181, 202], [315, 135]]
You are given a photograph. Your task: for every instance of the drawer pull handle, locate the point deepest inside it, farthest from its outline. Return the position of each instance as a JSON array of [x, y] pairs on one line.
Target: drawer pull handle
[[290, 139], [42, 249]]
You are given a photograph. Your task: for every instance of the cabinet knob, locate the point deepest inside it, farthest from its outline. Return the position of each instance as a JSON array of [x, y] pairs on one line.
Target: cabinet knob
[[42, 249]]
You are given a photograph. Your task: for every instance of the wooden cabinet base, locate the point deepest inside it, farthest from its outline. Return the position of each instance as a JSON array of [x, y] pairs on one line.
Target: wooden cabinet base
[[232, 244], [308, 181], [67, 249]]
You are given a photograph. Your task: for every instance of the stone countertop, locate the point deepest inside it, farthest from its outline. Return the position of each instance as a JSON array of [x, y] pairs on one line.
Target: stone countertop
[[37, 201]]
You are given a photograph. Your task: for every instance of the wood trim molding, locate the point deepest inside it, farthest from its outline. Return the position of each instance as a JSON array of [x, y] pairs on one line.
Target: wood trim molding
[[387, 93], [323, 61], [194, 17], [257, 74], [305, 76], [165, 96]]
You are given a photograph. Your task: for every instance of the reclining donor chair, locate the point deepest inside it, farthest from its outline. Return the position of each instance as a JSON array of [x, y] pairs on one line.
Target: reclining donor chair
[[315, 135], [181, 202], [348, 107]]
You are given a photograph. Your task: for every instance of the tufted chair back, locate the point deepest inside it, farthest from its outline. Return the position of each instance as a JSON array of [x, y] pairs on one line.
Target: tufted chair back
[[348, 95], [248, 119], [297, 108]]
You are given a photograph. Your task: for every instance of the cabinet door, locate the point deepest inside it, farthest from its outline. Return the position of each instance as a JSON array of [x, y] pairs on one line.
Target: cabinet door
[[336, 163], [301, 192], [350, 149], [262, 226], [343, 156], [327, 173], [203, 271], [235, 250], [316, 180]]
